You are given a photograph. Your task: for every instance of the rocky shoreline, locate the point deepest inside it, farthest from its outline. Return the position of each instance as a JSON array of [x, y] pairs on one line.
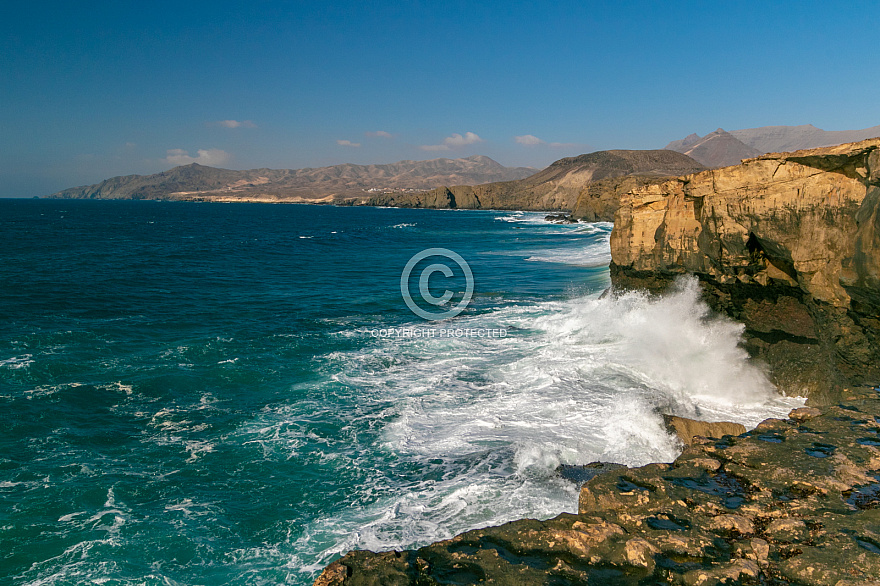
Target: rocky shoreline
[[788, 244], [791, 502]]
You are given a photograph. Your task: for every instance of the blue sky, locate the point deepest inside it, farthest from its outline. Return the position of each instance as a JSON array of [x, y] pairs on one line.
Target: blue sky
[[92, 91]]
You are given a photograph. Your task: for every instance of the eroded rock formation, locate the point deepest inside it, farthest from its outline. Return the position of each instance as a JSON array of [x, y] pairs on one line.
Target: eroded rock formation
[[598, 200], [787, 243]]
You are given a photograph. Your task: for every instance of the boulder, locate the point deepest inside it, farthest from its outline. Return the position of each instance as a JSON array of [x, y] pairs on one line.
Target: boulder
[[688, 429]]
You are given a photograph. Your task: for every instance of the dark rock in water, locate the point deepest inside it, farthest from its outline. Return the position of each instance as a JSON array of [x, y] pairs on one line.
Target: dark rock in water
[[666, 522], [581, 474], [752, 512], [866, 496], [560, 219]]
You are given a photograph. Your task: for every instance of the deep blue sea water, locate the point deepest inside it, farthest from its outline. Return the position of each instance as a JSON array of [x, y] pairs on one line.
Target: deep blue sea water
[[196, 394]]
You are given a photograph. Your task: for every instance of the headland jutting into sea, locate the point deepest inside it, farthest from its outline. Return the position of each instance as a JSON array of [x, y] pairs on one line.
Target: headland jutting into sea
[[789, 245]]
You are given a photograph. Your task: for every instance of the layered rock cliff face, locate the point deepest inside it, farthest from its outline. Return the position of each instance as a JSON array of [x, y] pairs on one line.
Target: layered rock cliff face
[[788, 244]]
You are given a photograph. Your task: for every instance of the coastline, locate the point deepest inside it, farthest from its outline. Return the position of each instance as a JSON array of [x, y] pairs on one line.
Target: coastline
[[794, 500], [762, 278]]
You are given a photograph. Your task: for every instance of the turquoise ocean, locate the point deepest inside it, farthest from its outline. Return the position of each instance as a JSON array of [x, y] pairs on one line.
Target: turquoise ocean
[[238, 394]]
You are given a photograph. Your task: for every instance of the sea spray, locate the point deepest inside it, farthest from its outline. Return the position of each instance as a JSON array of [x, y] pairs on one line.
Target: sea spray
[[486, 422], [672, 344]]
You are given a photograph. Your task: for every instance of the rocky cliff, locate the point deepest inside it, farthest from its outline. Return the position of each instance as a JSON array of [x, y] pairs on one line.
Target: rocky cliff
[[598, 200], [786, 243]]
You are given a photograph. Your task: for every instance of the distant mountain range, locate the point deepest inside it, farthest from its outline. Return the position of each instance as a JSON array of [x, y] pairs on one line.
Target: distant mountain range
[[721, 148], [198, 182], [588, 184]]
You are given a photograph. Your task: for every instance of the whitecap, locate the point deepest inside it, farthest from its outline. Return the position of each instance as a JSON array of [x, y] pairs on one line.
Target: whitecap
[[16, 362], [490, 419]]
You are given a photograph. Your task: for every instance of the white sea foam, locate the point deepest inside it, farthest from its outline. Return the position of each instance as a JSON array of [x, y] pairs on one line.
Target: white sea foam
[[79, 563], [189, 508], [595, 254], [489, 420], [534, 218], [49, 390], [17, 362]]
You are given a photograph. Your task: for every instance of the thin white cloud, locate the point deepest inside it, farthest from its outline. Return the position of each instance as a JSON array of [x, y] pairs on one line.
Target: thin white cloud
[[233, 124], [528, 140], [348, 143], [378, 134], [457, 140], [208, 157], [531, 140], [454, 141]]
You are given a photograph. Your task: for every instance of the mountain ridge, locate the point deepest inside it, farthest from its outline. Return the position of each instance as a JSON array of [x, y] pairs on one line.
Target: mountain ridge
[[716, 149], [201, 182], [775, 139]]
